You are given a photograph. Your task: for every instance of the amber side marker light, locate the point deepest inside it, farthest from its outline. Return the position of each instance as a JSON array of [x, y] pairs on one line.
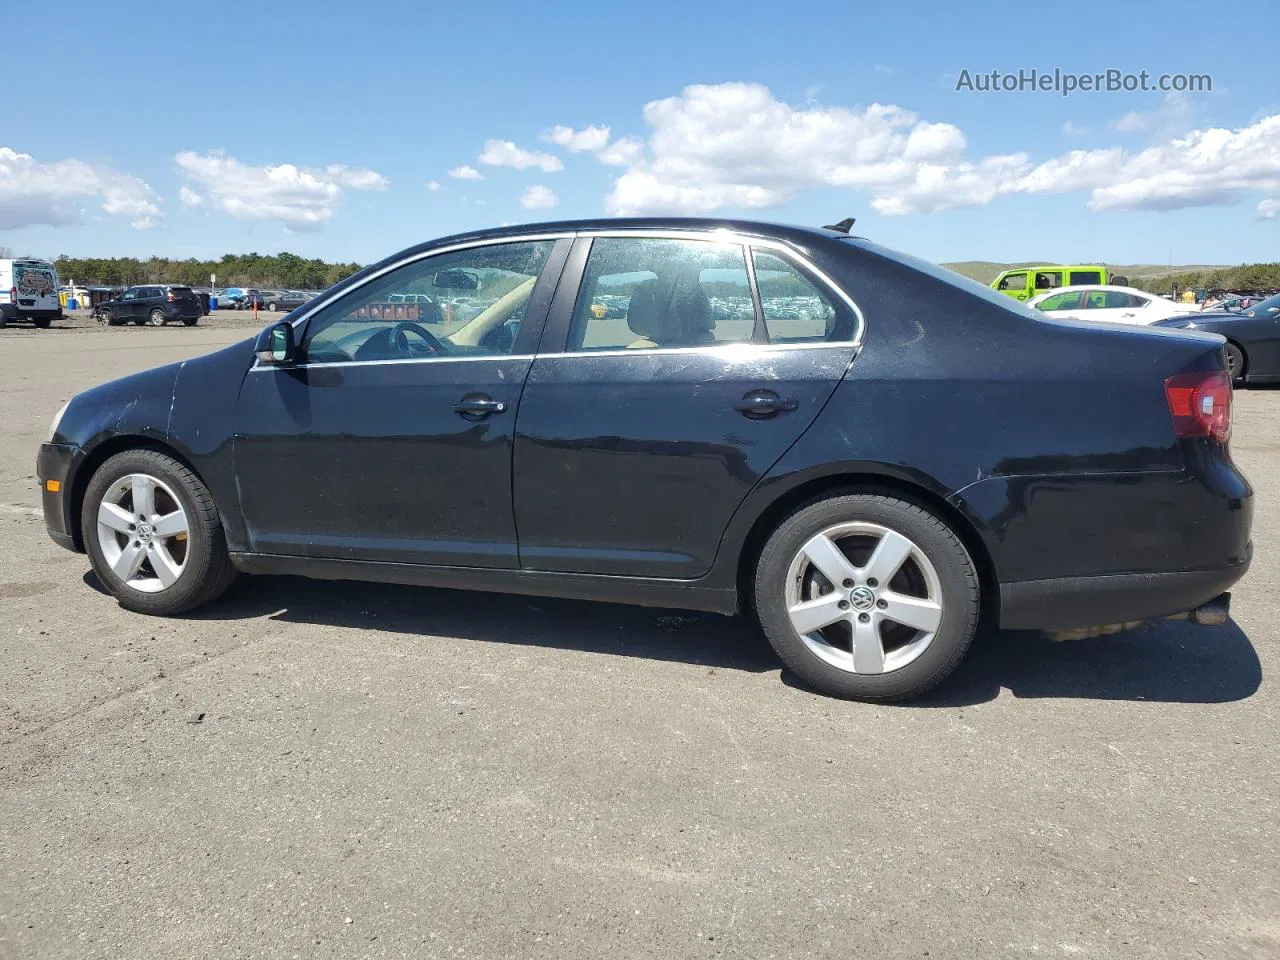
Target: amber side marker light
[[53, 486]]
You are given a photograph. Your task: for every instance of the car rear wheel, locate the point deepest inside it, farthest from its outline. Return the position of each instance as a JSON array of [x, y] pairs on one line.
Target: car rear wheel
[[272, 306], [867, 597], [156, 318], [1236, 363], [153, 536], [41, 322]]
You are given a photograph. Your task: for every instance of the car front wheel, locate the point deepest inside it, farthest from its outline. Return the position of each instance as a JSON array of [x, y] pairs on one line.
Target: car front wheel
[[867, 597], [153, 536]]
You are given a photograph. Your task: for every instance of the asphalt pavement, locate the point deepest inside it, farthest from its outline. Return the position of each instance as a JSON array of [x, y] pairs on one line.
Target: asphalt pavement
[[314, 769]]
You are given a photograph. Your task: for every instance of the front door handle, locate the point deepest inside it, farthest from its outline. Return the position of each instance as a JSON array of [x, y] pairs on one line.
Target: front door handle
[[764, 403], [476, 406]]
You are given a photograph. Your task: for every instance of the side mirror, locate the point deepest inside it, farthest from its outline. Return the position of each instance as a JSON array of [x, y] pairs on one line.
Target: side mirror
[[276, 344]]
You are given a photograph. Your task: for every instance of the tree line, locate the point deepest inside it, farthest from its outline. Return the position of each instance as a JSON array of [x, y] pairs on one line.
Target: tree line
[[1259, 277], [282, 270]]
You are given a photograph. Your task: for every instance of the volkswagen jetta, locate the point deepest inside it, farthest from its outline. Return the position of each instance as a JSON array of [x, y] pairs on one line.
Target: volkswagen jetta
[[866, 452]]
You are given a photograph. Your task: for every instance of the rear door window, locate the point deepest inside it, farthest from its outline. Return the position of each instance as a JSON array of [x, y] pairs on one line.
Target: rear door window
[[1048, 279], [650, 294]]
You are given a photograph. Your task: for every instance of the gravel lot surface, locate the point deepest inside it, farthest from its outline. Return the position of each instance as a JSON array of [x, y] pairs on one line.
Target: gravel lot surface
[[331, 770]]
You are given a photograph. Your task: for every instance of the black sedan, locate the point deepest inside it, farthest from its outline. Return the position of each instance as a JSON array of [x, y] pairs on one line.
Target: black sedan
[[874, 458], [1253, 338]]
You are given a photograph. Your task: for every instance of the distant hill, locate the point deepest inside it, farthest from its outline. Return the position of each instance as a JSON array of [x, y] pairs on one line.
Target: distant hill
[[984, 271]]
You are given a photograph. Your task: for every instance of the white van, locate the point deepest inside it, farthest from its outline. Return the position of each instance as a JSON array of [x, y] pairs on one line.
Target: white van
[[29, 291]]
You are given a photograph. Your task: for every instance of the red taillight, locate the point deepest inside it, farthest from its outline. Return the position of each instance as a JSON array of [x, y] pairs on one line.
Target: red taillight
[[13, 296], [1200, 404]]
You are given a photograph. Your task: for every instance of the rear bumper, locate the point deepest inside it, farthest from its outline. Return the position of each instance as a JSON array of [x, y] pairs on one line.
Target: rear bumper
[[19, 313], [54, 463], [1089, 601]]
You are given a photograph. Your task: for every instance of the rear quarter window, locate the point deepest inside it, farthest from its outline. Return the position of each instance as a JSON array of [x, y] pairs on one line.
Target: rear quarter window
[[1084, 276]]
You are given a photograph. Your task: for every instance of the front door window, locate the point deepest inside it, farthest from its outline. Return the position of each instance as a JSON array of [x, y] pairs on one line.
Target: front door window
[[467, 303]]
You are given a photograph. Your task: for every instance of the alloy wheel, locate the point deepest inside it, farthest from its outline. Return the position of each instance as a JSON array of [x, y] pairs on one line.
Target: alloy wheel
[[864, 598], [143, 532]]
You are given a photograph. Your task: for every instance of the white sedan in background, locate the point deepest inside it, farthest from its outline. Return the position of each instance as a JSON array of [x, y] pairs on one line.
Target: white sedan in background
[[1116, 304]]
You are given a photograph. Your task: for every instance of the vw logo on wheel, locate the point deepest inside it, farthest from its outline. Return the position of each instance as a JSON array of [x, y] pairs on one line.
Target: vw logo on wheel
[[145, 532], [862, 598]]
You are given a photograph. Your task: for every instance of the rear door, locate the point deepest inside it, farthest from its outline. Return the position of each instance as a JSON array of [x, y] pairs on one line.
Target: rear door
[[662, 393], [37, 285]]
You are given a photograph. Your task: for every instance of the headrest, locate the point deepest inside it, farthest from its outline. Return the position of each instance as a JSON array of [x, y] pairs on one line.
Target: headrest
[[671, 311]]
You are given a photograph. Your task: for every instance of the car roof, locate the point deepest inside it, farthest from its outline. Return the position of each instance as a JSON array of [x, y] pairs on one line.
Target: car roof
[[757, 228]]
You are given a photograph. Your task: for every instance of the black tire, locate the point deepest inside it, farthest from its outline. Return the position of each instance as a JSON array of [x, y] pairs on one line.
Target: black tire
[[190, 321], [207, 571], [272, 306], [960, 596], [1237, 363], [42, 322], [156, 318], [4, 321]]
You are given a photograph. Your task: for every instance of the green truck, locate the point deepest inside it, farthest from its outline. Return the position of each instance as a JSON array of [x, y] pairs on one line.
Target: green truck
[[1023, 283]]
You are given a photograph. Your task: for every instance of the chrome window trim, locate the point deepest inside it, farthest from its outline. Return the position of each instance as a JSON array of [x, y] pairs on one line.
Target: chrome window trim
[[727, 347], [748, 241]]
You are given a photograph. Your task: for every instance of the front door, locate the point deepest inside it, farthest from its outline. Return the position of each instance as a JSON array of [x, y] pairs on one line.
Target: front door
[[391, 439], [666, 393]]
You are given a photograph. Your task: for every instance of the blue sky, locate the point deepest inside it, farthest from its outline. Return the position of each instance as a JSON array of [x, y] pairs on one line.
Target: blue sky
[[317, 127]]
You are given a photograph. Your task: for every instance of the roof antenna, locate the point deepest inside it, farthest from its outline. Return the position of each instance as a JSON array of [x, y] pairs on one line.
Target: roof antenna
[[844, 226]]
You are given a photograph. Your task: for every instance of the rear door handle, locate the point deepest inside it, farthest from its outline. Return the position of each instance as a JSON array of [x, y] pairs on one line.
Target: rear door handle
[[764, 403], [478, 406]]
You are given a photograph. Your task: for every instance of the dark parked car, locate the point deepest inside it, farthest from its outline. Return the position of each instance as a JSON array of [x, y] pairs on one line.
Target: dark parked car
[[1253, 338], [285, 300], [156, 305], [876, 457]]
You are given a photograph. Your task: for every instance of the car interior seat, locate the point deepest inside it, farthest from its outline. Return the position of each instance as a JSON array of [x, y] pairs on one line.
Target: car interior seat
[[672, 311]]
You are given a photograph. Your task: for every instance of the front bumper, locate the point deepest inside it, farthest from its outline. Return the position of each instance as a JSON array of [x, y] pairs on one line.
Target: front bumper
[[53, 469]]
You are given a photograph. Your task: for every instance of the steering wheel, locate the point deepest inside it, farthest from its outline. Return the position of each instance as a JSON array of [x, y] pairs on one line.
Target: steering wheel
[[401, 342]]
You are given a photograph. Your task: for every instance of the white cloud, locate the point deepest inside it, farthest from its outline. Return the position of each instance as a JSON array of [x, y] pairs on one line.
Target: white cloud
[[538, 197], [623, 152], [301, 198], [735, 145], [52, 194], [504, 153], [1175, 114], [1071, 130], [433, 185], [189, 197], [590, 138], [466, 172], [1269, 209]]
